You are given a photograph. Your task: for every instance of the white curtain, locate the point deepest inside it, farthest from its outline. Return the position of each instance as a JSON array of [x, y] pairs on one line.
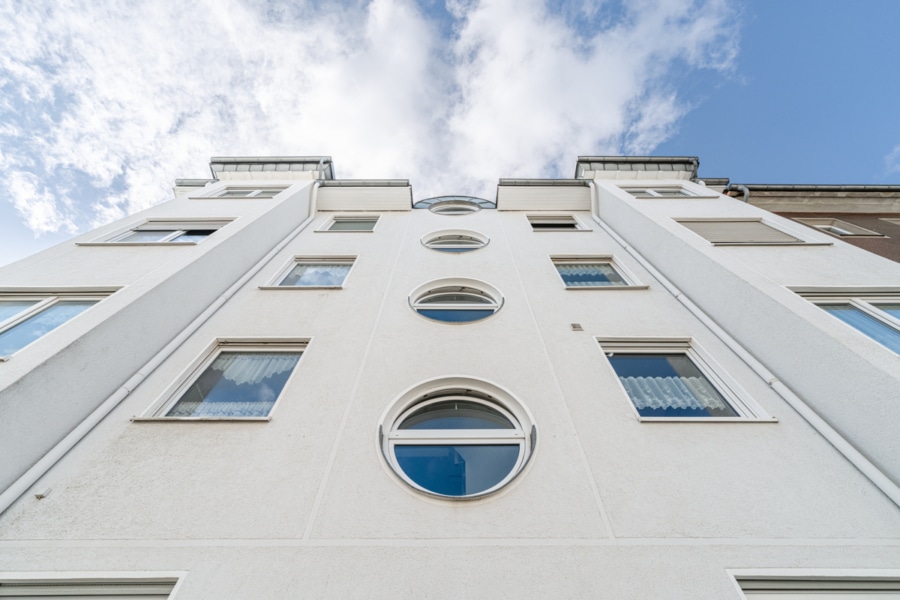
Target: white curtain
[[694, 393], [252, 368]]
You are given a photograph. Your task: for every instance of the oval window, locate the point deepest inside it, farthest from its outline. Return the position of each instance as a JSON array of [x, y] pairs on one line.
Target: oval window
[[456, 301], [456, 241], [457, 443], [454, 207]]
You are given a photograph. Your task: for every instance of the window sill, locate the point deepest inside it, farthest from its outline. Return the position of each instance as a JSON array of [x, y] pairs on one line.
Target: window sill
[[707, 420], [200, 419], [345, 231], [135, 243], [772, 243], [301, 287], [594, 288]]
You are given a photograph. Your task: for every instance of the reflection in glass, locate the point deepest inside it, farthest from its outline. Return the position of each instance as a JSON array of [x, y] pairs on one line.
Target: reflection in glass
[[146, 235], [892, 309], [456, 414], [331, 274], [457, 470], [10, 308], [589, 275], [353, 225], [194, 235], [40, 324], [237, 384], [455, 315], [668, 385], [867, 324]]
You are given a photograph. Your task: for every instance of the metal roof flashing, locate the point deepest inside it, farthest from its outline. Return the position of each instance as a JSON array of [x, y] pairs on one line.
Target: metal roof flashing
[[637, 167], [272, 167]]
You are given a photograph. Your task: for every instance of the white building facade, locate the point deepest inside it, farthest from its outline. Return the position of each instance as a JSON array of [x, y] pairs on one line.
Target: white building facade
[[280, 384]]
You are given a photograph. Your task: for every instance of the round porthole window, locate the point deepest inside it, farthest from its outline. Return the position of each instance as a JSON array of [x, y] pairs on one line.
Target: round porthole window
[[456, 300], [454, 240], [454, 205], [458, 442]]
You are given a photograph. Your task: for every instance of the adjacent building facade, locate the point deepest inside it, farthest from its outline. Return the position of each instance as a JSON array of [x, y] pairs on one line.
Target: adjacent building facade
[[281, 384]]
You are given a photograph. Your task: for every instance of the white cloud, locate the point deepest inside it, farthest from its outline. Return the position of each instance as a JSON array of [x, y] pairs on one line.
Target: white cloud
[[892, 161], [105, 104]]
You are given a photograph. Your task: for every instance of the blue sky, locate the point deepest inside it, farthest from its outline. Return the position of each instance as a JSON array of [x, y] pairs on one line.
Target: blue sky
[[103, 106]]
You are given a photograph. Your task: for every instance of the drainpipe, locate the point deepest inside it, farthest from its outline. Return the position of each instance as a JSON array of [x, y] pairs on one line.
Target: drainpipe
[[40, 468], [856, 458], [741, 188]]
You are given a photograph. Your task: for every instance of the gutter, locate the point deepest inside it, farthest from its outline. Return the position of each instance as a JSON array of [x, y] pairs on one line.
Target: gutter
[[41, 467], [856, 458]]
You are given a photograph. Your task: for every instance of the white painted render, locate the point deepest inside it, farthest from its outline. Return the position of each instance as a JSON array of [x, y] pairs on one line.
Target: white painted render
[[304, 505]]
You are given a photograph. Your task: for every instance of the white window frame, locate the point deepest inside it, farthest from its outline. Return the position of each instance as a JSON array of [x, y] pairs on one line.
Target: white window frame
[[66, 583], [864, 301], [429, 238], [549, 218], [454, 208], [748, 411], [329, 223], [275, 282], [800, 236], [43, 302], [439, 286], [156, 412], [802, 581], [256, 191], [176, 227], [837, 227], [631, 282], [466, 389], [654, 192]]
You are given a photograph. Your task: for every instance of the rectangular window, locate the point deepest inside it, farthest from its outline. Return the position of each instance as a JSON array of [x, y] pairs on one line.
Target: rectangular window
[[659, 192], [555, 223], [314, 272], [837, 227], [599, 272], [819, 588], [877, 317], [167, 232], [87, 589], [248, 192], [738, 231], [26, 319], [670, 379], [236, 381], [351, 223]]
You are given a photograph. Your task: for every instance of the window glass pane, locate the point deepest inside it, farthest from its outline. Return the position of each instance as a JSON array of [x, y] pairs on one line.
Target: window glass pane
[[353, 225], [269, 192], [237, 384], [589, 275], [668, 385], [42, 323], [235, 193], [313, 275], [456, 414], [194, 235], [10, 308], [457, 470], [454, 315], [892, 309], [146, 236], [877, 330], [449, 298]]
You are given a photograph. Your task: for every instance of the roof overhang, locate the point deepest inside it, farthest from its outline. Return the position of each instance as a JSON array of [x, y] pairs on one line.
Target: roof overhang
[[637, 167], [271, 167]]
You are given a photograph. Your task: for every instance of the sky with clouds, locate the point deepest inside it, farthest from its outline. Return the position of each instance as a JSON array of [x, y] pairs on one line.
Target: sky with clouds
[[103, 105]]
